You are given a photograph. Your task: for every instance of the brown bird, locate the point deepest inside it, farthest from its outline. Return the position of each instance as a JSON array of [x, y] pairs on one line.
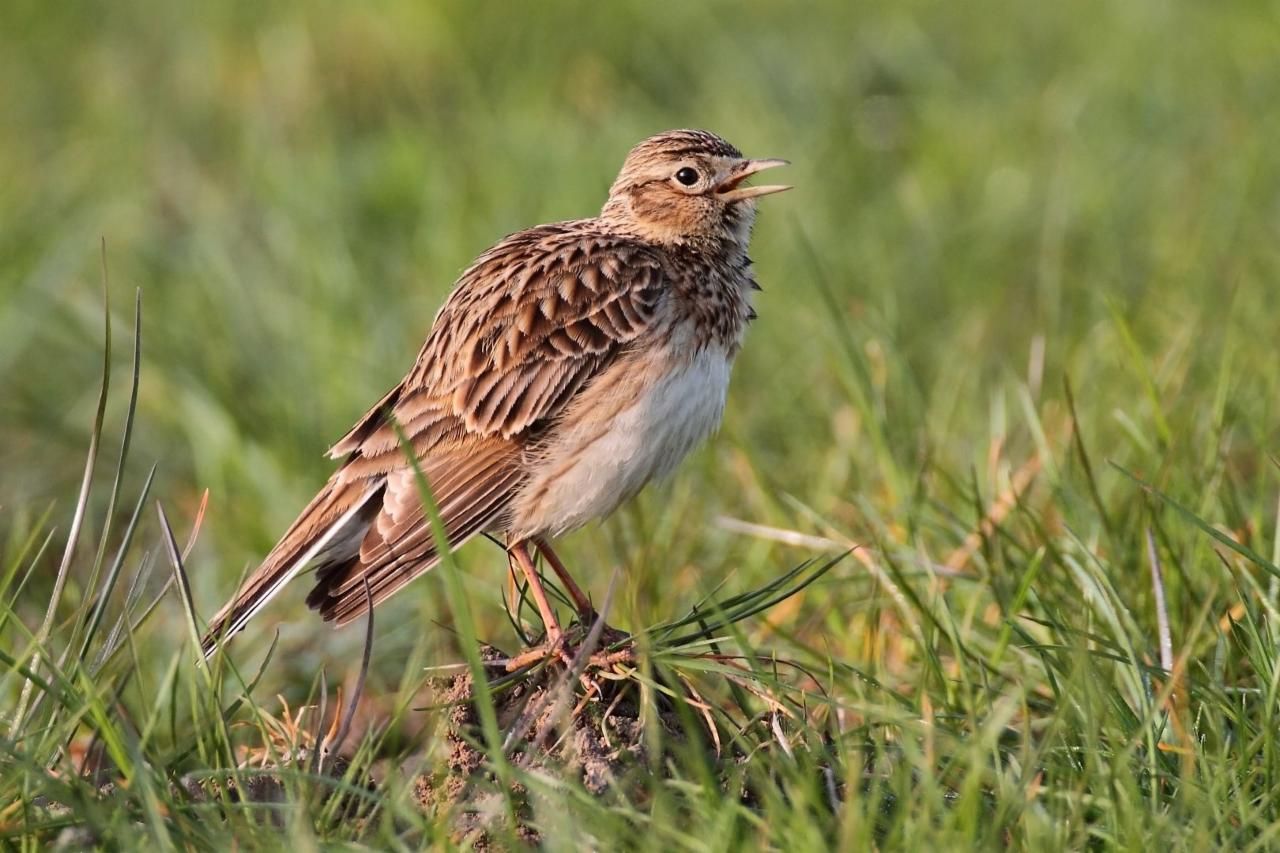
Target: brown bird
[[572, 364]]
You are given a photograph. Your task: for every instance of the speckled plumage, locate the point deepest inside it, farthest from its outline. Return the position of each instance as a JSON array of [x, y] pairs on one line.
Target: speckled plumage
[[573, 363]]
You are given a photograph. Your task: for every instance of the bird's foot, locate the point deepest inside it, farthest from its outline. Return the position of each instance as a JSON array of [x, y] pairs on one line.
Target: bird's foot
[[612, 647], [553, 648], [605, 660]]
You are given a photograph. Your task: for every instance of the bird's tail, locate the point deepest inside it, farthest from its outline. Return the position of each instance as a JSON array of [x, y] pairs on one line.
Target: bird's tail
[[329, 530]]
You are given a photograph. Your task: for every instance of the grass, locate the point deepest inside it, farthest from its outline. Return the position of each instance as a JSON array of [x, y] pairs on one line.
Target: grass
[[1016, 348]]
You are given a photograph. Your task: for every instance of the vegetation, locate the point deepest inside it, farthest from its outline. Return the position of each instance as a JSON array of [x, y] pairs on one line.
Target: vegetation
[[1011, 406]]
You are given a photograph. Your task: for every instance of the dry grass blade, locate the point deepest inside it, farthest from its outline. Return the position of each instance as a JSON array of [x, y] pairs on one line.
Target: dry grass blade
[[779, 534], [996, 513], [1162, 609], [196, 524], [775, 725], [704, 708]]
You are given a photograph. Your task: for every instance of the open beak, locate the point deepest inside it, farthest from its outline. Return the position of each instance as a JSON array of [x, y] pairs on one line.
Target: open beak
[[729, 189]]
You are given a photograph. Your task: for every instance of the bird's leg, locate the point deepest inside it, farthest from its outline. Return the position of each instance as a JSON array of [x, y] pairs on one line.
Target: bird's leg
[[580, 599], [520, 550]]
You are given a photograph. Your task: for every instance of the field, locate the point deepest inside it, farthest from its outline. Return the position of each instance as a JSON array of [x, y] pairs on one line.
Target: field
[[1015, 372]]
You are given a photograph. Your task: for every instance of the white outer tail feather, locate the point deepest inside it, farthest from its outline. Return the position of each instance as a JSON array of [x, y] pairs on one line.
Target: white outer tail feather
[[292, 572]]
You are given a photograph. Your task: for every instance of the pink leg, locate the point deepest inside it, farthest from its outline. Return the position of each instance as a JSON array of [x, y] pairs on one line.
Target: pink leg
[[579, 597], [520, 550]]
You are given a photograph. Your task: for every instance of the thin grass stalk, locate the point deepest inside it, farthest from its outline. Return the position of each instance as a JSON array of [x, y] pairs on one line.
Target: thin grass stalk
[[77, 519], [114, 495], [456, 596]]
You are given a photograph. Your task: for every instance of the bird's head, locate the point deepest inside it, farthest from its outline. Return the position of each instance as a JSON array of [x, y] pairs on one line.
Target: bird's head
[[686, 186]]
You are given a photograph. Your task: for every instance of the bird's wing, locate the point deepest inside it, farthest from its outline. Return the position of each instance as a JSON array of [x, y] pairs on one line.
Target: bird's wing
[[529, 324], [471, 485]]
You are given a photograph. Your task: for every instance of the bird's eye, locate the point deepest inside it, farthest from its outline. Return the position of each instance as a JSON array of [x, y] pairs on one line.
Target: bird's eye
[[687, 176]]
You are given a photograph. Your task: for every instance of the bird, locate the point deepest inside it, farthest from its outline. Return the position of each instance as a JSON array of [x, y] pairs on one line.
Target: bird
[[572, 364]]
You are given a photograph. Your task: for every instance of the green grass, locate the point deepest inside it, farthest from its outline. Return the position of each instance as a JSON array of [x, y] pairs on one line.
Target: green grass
[[1017, 343]]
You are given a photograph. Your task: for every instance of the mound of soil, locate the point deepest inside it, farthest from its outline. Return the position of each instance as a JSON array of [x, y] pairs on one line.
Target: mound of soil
[[589, 730]]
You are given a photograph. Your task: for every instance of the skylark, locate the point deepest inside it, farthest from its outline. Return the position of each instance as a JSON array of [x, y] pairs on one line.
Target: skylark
[[572, 364]]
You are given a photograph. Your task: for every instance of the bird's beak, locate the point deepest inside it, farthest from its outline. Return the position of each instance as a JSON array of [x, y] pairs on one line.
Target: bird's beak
[[728, 189]]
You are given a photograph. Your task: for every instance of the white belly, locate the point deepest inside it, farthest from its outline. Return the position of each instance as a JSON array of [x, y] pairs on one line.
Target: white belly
[[596, 464]]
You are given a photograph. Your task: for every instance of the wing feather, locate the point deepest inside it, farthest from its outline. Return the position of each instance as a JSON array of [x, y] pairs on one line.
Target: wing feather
[[399, 545]]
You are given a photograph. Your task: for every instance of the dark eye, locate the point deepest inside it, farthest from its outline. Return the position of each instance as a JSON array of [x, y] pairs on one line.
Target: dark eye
[[687, 176]]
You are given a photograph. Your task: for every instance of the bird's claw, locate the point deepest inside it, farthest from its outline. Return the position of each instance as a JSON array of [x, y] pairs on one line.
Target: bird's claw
[[554, 648]]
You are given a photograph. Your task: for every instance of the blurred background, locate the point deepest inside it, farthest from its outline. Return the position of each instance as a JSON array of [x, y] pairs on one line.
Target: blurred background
[[990, 199]]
